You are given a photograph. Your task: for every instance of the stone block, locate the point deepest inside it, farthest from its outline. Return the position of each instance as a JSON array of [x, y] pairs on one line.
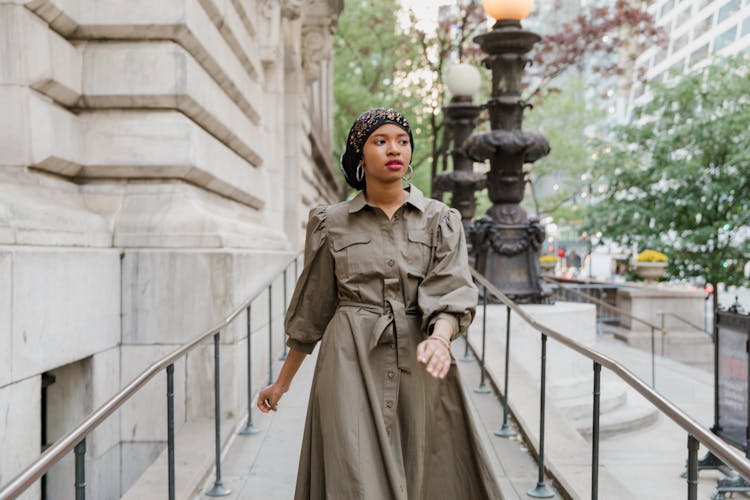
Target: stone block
[[69, 299], [48, 62], [165, 75], [200, 381], [103, 475], [181, 20], [14, 141], [19, 411], [43, 210], [167, 144], [172, 297], [6, 317], [144, 417], [648, 302], [136, 457], [105, 383]]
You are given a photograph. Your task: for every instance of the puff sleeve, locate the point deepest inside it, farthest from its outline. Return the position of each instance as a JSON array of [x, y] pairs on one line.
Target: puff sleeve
[[315, 295], [448, 291]]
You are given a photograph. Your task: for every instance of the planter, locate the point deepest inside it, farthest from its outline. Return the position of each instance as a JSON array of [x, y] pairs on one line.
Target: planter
[[548, 267], [650, 271]]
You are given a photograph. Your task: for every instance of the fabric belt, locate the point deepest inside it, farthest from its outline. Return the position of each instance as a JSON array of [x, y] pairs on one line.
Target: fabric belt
[[393, 313]]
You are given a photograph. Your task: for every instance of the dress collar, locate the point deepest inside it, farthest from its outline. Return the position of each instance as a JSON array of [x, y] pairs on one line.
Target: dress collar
[[415, 199]]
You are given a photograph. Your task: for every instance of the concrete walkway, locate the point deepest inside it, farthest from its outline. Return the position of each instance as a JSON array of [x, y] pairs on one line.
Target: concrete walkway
[[265, 465]]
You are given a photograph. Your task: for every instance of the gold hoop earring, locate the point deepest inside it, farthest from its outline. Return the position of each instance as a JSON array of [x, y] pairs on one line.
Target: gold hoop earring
[[360, 173], [410, 174]]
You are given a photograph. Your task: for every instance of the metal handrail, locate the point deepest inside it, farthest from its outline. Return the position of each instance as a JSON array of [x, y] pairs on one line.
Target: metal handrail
[[609, 306], [694, 429], [57, 450], [683, 320]]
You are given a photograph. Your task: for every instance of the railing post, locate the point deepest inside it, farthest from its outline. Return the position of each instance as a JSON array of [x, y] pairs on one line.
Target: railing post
[[483, 389], [249, 429], [170, 431], [692, 468], [283, 339], [80, 469], [653, 361], [270, 334], [595, 433], [541, 490], [663, 315], [218, 489], [505, 430], [467, 355]]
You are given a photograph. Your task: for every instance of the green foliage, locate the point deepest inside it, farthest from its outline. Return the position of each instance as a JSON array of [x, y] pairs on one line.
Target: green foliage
[[678, 177], [373, 58], [563, 118]]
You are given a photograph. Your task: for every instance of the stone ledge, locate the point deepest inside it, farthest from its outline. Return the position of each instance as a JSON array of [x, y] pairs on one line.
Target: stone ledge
[[54, 69], [112, 145], [167, 77], [182, 21]]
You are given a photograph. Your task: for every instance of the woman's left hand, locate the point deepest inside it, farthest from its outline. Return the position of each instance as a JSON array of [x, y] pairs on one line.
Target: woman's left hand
[[434, 353]]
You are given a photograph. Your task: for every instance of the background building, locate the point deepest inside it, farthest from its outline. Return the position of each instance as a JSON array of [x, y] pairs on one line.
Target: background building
[[157, 163], [698, 30]]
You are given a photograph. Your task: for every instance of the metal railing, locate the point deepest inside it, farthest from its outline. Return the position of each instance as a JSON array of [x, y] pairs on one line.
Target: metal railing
[[568, 291], [682, 320], [76, 438], [697, 434]]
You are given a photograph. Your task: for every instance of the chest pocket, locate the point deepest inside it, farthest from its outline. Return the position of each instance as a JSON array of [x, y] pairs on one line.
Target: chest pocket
[[353, 252], [418, 253]]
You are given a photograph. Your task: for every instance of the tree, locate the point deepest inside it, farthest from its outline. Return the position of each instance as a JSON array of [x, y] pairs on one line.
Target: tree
[[565, 173], [678, 177], [605, 39], [373, 64]]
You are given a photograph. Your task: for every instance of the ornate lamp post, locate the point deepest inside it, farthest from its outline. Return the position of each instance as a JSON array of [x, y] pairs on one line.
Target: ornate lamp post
[[463, 81], [505, 241]]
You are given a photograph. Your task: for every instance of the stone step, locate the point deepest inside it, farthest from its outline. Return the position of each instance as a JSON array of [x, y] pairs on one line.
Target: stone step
[[636, 414]]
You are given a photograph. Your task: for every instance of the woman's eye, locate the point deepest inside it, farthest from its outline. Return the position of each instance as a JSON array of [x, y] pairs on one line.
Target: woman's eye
[[379, 142], [404, 142]]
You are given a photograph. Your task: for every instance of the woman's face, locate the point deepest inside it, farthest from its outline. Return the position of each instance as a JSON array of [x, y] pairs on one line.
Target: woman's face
[[386, 154]]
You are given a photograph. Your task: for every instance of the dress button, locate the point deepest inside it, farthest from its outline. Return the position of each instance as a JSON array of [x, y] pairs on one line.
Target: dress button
[[396, 217], [391, 374], [389, 404], [391, 262]]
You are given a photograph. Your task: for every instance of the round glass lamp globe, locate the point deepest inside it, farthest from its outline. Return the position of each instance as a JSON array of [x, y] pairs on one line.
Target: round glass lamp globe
[[508, 10], [463, 80]]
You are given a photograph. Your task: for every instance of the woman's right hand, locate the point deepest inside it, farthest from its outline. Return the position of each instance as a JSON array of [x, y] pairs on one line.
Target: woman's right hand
[[268, 399]]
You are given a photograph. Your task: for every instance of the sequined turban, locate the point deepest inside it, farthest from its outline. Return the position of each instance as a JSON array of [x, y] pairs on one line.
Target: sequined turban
[[367, 123]]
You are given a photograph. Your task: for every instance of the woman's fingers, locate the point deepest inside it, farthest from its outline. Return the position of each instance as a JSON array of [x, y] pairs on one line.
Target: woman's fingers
[[268, 399], [435, 356]]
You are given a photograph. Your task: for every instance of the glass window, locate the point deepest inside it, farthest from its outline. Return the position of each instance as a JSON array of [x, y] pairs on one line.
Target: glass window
[[725, 38], [698, 55], [683, 16], [746, 26], [678, 44], [659, 57], [728, 9], [667, 7], [703, 26]]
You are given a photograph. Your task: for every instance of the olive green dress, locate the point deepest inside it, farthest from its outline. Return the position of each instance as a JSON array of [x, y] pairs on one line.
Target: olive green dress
[[378, 425]]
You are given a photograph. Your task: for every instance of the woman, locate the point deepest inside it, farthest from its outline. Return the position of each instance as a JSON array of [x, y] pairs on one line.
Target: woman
[[386, 288]]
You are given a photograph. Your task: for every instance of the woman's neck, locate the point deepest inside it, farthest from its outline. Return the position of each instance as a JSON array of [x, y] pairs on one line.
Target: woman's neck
[[386, 196]]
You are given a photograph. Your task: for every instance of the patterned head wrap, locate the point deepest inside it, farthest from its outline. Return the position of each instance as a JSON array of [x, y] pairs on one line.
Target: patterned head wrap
[[363, 127]]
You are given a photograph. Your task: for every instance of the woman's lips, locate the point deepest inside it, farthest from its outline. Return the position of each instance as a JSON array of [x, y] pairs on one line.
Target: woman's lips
[[394, 165]]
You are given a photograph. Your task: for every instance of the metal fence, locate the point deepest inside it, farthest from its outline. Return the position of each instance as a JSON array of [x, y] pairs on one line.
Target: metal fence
[[696, 433], [76, 439]]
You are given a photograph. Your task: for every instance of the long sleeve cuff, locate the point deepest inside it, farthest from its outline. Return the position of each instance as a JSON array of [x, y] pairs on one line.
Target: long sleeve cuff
[[305, 347], [450, 318]]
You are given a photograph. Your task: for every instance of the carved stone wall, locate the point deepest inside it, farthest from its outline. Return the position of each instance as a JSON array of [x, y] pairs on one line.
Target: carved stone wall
[[157, 163]]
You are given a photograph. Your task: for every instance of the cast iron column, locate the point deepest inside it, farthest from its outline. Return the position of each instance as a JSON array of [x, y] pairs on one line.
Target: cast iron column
[[505, 241]]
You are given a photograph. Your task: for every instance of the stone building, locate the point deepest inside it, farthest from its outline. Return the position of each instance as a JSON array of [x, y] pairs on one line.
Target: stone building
[[157, 163]]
